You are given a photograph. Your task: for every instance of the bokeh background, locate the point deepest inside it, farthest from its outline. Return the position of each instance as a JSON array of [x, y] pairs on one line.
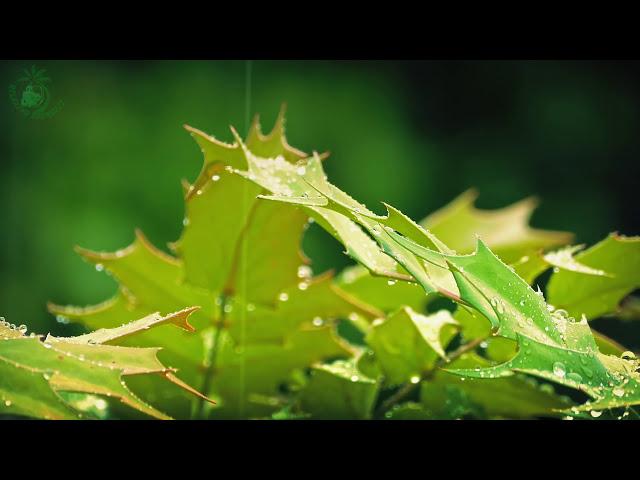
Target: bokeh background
[[414, 134]]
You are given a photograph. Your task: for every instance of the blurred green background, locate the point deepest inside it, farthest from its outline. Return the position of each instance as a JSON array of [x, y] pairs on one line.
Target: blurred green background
[[414, 134]]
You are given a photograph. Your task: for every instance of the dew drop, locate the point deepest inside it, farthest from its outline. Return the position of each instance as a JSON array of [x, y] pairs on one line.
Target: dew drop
[[415, 379], [391, 282], [99, 267], [283, 297], [559, 370], [215, 178], [317, 321], [595, 413], [304, 271], [7, 403], [628, 355], [618, 392], [576, 377]]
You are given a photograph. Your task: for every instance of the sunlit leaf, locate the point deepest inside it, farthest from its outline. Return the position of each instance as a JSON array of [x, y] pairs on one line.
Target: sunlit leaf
[[593, 296]]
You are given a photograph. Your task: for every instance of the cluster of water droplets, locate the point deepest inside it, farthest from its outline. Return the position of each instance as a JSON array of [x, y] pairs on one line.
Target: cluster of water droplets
[[304, 274], [22, 329]]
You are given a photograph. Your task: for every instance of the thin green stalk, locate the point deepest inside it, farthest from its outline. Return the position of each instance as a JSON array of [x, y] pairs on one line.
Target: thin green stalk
[[213, 355]]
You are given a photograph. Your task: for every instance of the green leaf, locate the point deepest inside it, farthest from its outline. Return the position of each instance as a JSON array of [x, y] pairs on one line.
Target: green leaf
[[407, 343], [376, 291], [505, 230], [550, 345], [531, 266], [512, 397], [409, 411], [34, 372], [595, 296], [238, 258], [339, 391], [267, 366]]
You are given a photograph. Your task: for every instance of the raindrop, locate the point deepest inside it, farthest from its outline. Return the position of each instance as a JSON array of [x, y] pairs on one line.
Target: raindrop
[[355, 378], [595, 413], [414, 379], [22, 329], [559, 370], [317, 321], [283, 297], [562, 313], [618, 392], [7, 403], [303, 285], [628, 355], [215, 178], [99, 267], [185, 221], [391, 282], [576, 377], [304, 271]]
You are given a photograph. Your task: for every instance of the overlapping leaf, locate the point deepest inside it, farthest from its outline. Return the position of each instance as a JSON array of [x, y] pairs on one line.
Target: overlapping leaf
[[35, 372], [239, 259], [593, 296], [551, 346]]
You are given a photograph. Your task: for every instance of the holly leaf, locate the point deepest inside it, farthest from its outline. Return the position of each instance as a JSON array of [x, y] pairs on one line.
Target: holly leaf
[[594, 296], [516, 396], [239, 259], [551, 345], [375, 291], [35, 372], [407, 343], [505, 230], [339, 391]]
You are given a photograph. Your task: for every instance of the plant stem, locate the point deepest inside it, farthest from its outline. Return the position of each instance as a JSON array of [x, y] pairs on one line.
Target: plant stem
[[213, 354]]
